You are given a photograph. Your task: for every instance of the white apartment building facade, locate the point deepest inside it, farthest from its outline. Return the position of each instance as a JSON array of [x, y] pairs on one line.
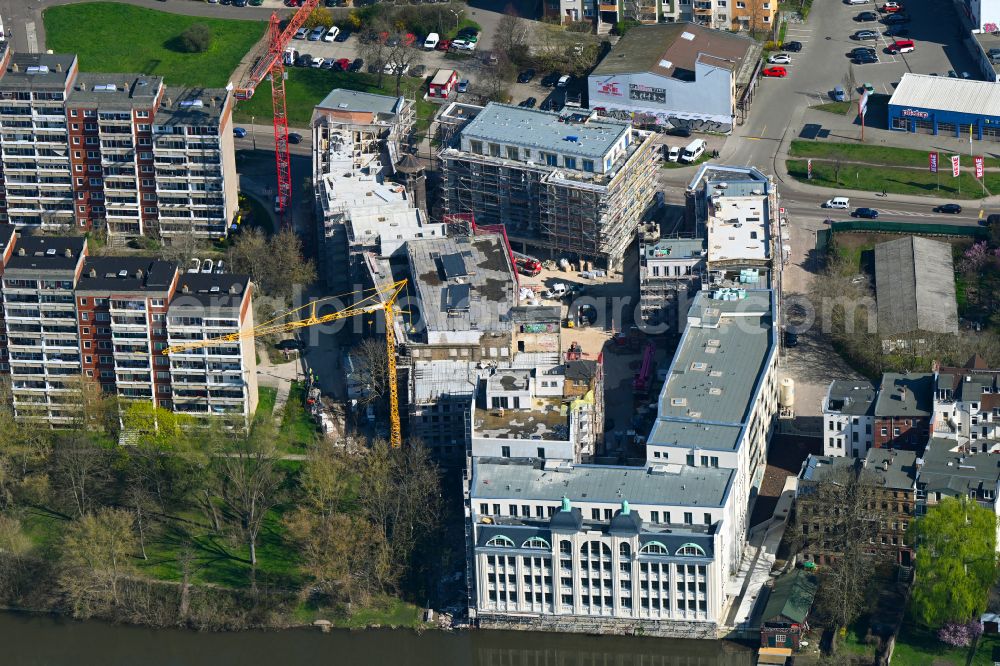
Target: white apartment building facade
[[849, 418]]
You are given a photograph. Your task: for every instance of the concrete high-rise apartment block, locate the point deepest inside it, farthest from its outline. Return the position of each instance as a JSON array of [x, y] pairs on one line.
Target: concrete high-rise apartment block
[[73, 320], [564, 184], [115, 151]]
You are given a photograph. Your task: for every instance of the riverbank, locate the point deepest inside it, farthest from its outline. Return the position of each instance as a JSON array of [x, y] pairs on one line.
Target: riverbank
[[46, 641]]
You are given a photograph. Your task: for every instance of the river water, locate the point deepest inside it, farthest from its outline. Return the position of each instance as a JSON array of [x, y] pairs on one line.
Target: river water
[[47, 641]]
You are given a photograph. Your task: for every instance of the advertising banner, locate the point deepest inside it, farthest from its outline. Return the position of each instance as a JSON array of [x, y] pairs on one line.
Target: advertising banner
[[955, 166], [932, 162]]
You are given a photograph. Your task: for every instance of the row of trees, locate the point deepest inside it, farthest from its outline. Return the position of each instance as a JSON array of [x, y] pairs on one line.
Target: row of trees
[[96, 529]]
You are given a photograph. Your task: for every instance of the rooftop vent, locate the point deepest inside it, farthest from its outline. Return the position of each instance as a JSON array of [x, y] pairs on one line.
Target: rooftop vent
[[68, 253], [37, 69], [666, 64], [687, 35], [214, 289], [123, 273], [105, 87], [715, 390], [678, 402], [698, 365], [190, 103], [51, 252]]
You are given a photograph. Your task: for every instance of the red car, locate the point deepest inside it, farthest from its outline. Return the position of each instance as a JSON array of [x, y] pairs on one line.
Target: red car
[[777, 72], [383, 37], [443, 45], [408, 39], [892, 7], [341, 64]]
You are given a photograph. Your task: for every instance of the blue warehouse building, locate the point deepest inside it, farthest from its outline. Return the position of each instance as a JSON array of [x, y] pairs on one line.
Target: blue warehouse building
[[947, 106]]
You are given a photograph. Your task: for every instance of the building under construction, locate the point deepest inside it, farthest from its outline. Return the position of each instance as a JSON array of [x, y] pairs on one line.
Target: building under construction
[[571, 184]]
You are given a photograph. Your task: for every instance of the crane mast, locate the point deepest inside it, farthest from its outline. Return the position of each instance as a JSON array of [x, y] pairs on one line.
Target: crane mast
[[270, 64]]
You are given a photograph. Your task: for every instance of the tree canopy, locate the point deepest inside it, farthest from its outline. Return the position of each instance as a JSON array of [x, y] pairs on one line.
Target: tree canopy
[[956, 561]]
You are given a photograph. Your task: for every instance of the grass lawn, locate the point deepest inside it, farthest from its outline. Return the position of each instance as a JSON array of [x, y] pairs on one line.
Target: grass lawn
[[892, 180], [383, 612], [706, 156], [307, 87], [462, 25], [839, 108], [917, 646], [111, 37], [859, 152], [266, 395], [298, 430], [854, 640]]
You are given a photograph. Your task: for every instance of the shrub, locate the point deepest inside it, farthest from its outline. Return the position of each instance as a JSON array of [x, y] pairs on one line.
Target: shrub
[[196, 39], [960, 635]]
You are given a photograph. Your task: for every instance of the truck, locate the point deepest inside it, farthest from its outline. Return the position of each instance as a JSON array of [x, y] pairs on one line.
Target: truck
[[527, 265]]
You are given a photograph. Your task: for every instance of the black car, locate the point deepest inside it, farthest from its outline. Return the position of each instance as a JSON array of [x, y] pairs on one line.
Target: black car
[[869, 213], [794, 47], [290, 344], [356, 65], [330, 3], [791, 339], [893, 19], [393, 41], [294, 137], [862, 51], [865, 59], [304, 60], [992, 219], [866, 16], [528, 103], [951, 209], [682, 132], [342, 36], [896, 31], [239, 3], [551, 79], [526, 76]]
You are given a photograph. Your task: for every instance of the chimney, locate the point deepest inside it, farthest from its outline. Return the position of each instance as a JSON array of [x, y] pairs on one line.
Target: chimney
[[235, 289], [21, 252], [68, 253], [92, 273], [185, 289], [885, 465], [15, 68], [138, 274], [59, 67]]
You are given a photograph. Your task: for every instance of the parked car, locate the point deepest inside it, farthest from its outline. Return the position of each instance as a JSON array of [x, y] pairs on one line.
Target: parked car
[[866, 16], [463, 86], [342, 36], [857, 2], [317, 63], [862, 51], [304, 60], [950, 209], [897, 31], [294, 137], [868, 88], [840, 203], [550, 79], [794, 47], [896, 18], [317, 33], [775, 72], [780, 59], [239, 132], [526, 76], [952, 74], [462, 45], [356, 65], [682, 132], [892, 7], [301, 33], [328, 63], [838, 94], [563, 81], [868, 213], [443, 45], [431, 41], [342, 65], [331, 34], [419, 71], [529, 103], [791, 339], [861, 35], [865, 59], [409, 39], [902, 46]]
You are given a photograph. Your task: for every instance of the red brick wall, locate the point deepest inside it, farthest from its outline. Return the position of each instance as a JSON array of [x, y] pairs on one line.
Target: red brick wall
[[912, 433]]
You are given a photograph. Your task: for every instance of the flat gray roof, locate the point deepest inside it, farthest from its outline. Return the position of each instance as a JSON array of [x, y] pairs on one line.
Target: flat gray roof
[[544, 130], [680, 486], [479, 299], [895, 469], [37, 71], [341, 99], [915, 285], [954, 474], [129, 91], [716, 371], [191, 106], [675, 248], [851, 398], [980, 98], [905, 395]]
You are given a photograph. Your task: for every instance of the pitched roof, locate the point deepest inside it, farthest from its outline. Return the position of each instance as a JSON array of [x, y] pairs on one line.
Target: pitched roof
[[939, 92], [791, 597], [915, 286], [672, 49]]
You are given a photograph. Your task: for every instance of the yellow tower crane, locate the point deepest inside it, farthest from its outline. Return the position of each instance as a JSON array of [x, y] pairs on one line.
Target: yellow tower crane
[[381, 298]]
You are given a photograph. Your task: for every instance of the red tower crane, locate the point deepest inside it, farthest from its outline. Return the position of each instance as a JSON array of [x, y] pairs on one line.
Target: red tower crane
[[270, 64]]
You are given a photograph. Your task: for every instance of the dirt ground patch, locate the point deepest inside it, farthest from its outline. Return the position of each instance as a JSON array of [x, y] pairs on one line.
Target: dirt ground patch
[[784, 459]]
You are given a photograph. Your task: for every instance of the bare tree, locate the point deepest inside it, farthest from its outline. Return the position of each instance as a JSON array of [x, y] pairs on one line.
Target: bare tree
[[372, 369], [402, 58], [511, 37], [96, 557], [275, 264], [375, 50], [497, 77], [80, 473], [850, 83], [841, 515], [248, 484]]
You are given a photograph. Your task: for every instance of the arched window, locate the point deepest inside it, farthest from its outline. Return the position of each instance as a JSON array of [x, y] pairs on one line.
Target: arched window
[[654, 548], [624, 549], [499, 541], [536, 542], [691, 550]]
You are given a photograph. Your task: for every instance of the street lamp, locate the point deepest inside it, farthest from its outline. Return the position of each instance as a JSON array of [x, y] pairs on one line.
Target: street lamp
[[253, 133], [457, 15]]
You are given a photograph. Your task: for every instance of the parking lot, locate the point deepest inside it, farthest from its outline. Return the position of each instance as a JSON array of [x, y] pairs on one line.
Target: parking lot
[[825, 60]]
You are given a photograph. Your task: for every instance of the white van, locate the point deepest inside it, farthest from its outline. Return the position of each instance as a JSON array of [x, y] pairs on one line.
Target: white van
[[432, 41], [693, 151], [842, 203]]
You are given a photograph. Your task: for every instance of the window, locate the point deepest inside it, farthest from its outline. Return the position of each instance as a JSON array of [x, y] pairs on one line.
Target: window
[[536, 543], [495, 149], [654, 548], [595, 514], [885, 431], [499, 541], [505, 452], [477, 147], [512, 152], [655, 516], [704, 461], [588, 165], [569, 162], [691, 550], [688, 518], [708, 519], [551, 159]]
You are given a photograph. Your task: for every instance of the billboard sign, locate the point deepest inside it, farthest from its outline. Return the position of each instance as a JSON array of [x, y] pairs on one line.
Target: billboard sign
[[609, 88], [641, 93], [932, 162]]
